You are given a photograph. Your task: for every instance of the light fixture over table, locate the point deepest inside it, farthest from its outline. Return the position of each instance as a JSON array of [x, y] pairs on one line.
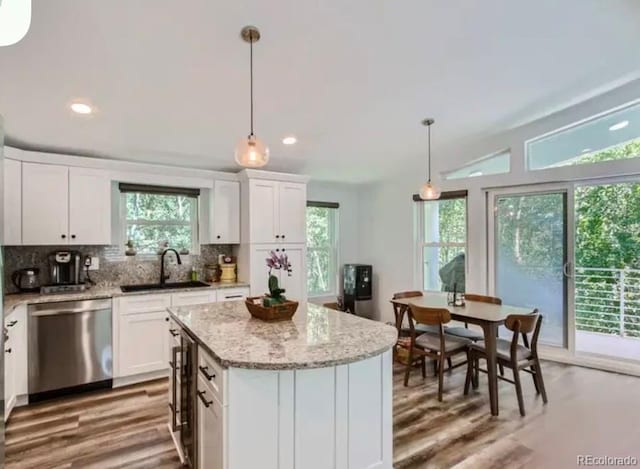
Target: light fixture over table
[[251, 152], [429, 191]]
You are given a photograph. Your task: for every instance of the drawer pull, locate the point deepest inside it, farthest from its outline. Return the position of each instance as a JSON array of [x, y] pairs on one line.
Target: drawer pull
[[174, 332], [8, 350], [203, 399], [12, 323], [232, 296], [204, 370]]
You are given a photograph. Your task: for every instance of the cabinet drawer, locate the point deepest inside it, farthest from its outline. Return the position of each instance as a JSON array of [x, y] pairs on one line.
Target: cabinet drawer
[[193, 297], [232, 294], [144, 303], [212, 374]]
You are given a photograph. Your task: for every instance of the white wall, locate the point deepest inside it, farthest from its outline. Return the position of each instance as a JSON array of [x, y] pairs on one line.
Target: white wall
[[348, 234], [387, 218]]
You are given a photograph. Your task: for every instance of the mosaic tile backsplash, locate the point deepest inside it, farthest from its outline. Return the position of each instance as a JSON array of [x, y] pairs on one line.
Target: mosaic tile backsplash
[[115, 268]]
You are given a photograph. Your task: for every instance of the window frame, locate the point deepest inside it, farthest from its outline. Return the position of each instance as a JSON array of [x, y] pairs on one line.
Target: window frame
[[194, 224], [333, 250], [421, 244]]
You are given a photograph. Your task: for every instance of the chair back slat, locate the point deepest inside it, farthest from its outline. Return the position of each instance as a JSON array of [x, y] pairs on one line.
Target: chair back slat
[[524, 323], [430, 316], [482, 298], [406, 294]]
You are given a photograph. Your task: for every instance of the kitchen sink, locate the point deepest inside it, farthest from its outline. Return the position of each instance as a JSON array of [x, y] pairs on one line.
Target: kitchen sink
[[164, 286]]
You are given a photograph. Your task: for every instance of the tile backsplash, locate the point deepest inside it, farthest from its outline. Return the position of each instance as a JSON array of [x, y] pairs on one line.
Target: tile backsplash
[[115, 268]]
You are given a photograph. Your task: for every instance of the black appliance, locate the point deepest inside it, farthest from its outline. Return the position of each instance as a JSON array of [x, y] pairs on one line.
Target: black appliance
[[357, 288], [26, 280], [187, 415], [64, 271]]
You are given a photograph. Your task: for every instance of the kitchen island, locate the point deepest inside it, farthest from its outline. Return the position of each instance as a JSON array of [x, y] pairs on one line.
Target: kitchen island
[[313, 392]]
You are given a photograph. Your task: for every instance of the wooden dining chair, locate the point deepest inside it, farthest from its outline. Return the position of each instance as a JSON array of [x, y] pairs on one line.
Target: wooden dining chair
[[512, 354], [436, 346]]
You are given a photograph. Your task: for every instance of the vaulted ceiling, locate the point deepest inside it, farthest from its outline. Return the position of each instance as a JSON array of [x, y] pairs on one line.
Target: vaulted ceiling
[[351, 79]]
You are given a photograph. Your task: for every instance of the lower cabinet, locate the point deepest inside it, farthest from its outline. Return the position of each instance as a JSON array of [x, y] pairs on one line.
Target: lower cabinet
[[143, 342], [15, 358], [210, 427]]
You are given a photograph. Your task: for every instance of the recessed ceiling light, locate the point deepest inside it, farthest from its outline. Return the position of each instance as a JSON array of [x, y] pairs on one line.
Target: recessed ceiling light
[[81, 108], [289, 140], [619, 125], [586, 150]]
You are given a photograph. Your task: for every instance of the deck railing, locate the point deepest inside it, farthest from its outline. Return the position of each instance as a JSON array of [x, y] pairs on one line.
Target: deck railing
[[607, 301]]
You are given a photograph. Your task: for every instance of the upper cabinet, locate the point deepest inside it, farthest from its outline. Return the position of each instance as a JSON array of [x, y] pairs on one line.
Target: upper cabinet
[[62, 205], [225, 213], [12, 202], [276, 211]]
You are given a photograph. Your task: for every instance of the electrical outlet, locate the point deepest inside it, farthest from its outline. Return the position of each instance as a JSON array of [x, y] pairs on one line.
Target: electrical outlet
[[95, 263]]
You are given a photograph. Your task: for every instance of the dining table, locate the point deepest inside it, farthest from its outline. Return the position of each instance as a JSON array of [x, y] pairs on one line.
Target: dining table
[[488, 316]]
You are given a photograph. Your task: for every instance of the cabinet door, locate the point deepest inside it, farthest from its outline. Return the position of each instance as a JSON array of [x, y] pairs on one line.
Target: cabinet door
[[225, 223], [296, 283], [143, 342], [89, 206], [16, 324], [210, 429], [263, 205], [292, 211], [45, 204], [204, 296], [9, 378], [12, 202]]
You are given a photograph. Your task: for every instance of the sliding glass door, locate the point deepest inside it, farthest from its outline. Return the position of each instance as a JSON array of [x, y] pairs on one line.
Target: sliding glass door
[[530, 256]]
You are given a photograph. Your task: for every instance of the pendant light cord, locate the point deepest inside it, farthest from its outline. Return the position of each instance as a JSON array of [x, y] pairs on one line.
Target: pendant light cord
[[429, 164], [251, 78]]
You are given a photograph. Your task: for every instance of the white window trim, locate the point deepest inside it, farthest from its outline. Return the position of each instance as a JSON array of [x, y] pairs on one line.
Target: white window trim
[[421, 244], [334, 252], [195, 225]]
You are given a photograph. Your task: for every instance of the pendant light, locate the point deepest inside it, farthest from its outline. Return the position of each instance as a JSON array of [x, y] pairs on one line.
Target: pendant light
[[251, 152], [429, 191]]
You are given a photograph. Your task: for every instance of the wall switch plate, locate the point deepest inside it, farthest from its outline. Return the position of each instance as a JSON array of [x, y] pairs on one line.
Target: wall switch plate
[[95, 263]]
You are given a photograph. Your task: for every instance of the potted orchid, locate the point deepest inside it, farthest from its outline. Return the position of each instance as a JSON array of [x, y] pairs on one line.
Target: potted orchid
[[276, 261], [273, 306]]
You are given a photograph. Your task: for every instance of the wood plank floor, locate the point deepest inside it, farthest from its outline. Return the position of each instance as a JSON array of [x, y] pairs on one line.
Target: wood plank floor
[[590, 412]]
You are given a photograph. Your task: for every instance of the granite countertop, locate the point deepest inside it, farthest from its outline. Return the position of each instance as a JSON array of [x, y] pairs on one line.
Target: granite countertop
[[316, 336], [16, 299]]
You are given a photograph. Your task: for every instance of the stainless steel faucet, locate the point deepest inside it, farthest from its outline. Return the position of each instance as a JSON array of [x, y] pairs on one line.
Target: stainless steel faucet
[[164, 277]]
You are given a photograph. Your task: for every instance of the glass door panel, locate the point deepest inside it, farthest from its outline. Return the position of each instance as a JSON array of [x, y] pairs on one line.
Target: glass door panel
[[530, 257]]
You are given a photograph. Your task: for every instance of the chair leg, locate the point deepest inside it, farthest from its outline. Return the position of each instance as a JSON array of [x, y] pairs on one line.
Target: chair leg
[[449, 363], [538, 375], [423, 365], [408, 369], [516, 381], [435, 367], [469, 377], [501, 369], [440, 377], [534, 372], [476, 373]]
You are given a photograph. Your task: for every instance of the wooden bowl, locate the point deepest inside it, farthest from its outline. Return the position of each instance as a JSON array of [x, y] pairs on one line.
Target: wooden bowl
[[280, 312]]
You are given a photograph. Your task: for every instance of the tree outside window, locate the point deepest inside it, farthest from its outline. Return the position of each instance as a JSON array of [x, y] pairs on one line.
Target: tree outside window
[[322, 258]]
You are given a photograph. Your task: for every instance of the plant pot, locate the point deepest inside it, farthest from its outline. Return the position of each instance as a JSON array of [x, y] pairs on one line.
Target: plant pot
[[281, 312]]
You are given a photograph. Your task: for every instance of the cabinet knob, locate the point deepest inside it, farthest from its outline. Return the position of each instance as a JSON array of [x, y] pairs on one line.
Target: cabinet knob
[[278, 250], [282, 236], [283, 249], [74, 236], [12, 323], [218, 236], [63, 236], [278, 236], [8, 350], [166, 319]]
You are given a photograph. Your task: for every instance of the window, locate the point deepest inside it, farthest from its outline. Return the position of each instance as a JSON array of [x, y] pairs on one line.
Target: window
[[322, 250], [154, 215], [612, 136], [443, 242], [498, 163]]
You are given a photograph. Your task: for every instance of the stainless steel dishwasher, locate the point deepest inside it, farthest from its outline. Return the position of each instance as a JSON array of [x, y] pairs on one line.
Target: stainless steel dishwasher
[[70, 347]]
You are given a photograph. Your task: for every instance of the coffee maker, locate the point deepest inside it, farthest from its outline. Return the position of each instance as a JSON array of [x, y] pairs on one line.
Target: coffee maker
[[64, 271]]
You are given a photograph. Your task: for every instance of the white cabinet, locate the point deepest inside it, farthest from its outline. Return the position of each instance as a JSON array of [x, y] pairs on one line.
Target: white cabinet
[[12, 202], [225, 213], [9, 378], [204, 296], [294, 284], [233, 294], [15, 358], [45, 204], [292, 212], [89, 207], [210, 428], [62, 205], [277, 211]]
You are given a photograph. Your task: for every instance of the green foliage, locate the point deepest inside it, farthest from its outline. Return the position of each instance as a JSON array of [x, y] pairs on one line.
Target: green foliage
[[153, 218], [320, 250], [276, 293]]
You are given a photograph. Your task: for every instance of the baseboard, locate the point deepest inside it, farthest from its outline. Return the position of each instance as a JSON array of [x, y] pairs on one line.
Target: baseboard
[[591, 361], [141, 378]]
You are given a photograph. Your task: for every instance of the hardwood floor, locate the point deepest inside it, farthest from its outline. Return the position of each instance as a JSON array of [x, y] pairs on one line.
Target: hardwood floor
[[589, 412]]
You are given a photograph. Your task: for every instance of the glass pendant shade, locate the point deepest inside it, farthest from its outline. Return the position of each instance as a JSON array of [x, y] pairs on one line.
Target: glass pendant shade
[[251, 152], [429, 192]]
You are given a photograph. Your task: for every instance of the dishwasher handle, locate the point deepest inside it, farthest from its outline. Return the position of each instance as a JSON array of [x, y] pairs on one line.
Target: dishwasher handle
[[56, 312]]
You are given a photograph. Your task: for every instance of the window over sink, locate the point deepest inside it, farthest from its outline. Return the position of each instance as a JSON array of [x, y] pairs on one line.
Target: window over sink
[[153, 215]]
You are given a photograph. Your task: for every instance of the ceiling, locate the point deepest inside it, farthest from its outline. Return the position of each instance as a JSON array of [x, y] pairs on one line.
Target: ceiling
[[351, 79]]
